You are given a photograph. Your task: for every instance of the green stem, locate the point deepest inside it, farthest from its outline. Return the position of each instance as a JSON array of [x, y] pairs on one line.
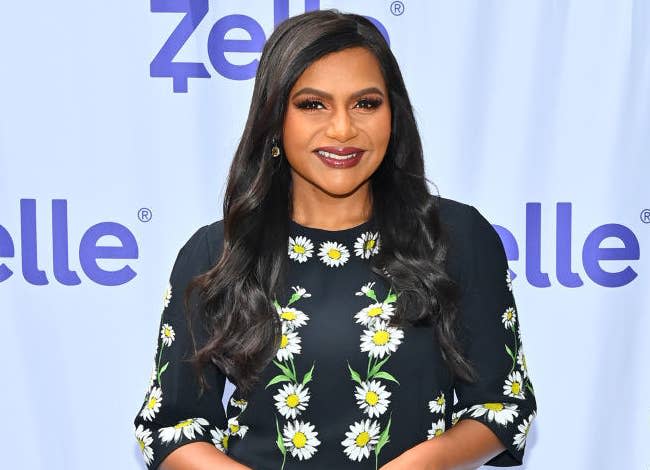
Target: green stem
[[293, 369], [162, 346]]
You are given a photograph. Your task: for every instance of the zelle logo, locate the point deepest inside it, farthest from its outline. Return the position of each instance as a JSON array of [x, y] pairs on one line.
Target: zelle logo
[[90, 252], [163, 64]]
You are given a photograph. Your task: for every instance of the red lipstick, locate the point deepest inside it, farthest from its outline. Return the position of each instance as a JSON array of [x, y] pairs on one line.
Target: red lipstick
[[339, 157]]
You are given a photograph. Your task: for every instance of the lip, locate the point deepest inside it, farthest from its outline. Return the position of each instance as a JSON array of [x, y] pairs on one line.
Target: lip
[[340, 150], [336, 163]]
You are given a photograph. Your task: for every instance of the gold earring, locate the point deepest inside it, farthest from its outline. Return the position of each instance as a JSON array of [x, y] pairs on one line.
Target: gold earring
[[275, 150]]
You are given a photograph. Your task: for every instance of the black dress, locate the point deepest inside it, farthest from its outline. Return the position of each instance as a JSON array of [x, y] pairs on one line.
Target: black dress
[[346, 390]]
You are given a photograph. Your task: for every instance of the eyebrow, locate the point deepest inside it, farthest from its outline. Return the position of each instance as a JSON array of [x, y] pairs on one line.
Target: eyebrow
[[324, 94]]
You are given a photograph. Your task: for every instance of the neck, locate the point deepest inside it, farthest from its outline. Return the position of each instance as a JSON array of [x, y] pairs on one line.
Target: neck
[[312, 207]]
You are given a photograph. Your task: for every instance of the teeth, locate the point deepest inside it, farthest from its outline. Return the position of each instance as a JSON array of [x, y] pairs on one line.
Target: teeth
[[335, 156]]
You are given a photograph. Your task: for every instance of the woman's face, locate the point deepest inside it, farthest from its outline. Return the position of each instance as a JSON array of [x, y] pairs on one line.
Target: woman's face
[[340, 101]]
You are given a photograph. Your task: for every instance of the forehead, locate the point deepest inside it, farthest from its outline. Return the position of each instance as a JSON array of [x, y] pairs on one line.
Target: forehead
[[343, 71]]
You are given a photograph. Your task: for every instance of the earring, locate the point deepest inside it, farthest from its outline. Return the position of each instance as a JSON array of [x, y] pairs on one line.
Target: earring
[[275, 150]]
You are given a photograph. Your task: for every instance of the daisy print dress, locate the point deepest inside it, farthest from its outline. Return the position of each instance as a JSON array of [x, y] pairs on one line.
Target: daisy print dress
[[346, 389]]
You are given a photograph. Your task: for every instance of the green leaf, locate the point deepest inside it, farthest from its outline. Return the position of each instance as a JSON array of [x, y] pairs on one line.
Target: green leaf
[[384, 438], [277, 304], [278, 378], [307, 378], [509, 351], [162, 369], [371, 293], [377, 366], [285, 370], [390, 298], [354, 374], [382, 374], [295, 296], [279, 441]]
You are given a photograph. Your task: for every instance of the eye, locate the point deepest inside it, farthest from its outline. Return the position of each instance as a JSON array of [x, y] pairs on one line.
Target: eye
[[309, 104], [369, 103]]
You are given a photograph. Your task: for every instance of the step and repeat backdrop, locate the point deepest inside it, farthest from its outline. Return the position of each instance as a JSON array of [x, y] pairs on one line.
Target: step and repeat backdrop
[[118, 122]]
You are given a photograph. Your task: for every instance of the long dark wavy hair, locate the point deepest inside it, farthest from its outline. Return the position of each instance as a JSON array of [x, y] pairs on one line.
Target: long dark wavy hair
[[237, 292]]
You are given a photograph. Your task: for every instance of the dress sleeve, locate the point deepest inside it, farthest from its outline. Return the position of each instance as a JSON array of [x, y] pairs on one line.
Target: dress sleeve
[[502, 397], [174, 411]]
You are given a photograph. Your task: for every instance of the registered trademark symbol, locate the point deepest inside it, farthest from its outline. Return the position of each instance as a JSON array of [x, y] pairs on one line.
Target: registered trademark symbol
[[397, 8], [645, 216], [145, 214]]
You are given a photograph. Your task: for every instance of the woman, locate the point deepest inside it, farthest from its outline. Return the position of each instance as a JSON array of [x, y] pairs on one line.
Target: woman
[[346, 303]]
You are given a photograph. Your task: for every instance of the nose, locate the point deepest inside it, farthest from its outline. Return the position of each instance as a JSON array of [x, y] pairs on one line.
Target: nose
[[341, 126]]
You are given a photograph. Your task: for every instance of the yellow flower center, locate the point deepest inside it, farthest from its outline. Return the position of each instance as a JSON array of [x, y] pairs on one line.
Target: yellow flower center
[[516, 388], [288, 315], [168, 332], [293, 400], [494, 406], [381, 337], [334, 253], [184, 424], [374, 311], [141, 443], [299, 439], [362, 439], [284, 341], [234, 428], [370, 244], [441, 400], [371, 397], [438, 432], [224, 441], [299, 249], [152, 402]]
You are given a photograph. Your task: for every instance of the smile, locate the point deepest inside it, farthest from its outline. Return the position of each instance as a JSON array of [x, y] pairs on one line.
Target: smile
[[335, 160]]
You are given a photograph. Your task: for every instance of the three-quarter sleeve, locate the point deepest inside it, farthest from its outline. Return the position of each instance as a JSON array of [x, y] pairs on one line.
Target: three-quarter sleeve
[[502, 397], [174, 411]]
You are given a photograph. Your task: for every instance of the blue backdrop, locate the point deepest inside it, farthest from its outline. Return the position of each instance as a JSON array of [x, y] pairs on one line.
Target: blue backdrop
[[119, 121]]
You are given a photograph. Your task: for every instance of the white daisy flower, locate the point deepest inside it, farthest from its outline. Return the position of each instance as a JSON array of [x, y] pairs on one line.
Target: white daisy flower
[[437, 428], [367, 244], [508, 280], [301, 291], [333, 254], [187, 428], [369, 314], [236, 429], [372, 398], [167, 295], [365, 290], [520, 439], [502, 413], [167, 334], [289, 344], [300, 439], [455, 416], [220, 439], [438, 404], [152, 406], [300, 249], [291, 400], [361, 439], [144, 439], [509, 317], [521, 360], [381, 339], [241, 403], [292, 317], [514, 386]]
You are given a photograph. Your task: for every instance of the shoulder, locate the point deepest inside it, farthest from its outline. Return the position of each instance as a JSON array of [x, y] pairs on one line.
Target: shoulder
[[471, 236], [203, 247]]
